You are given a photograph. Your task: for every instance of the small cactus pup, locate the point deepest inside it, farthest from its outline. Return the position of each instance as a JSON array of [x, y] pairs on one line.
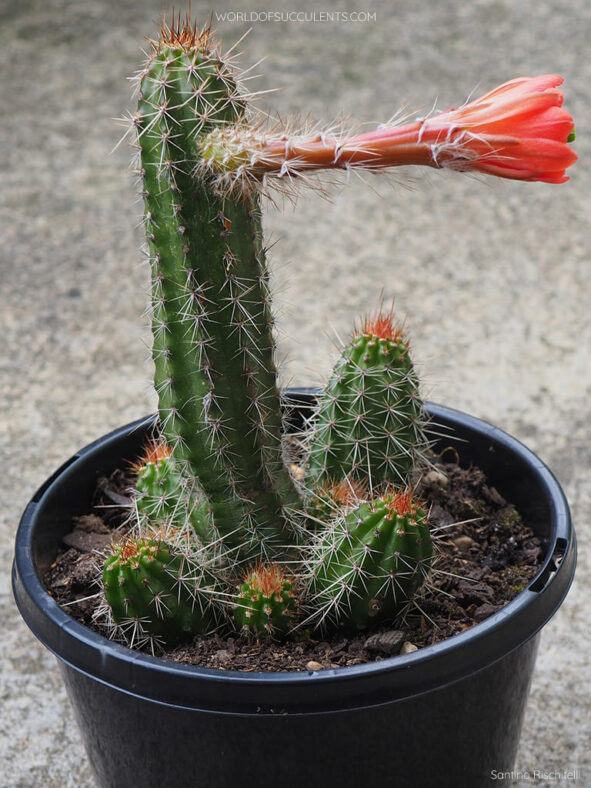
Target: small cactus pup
[[213, 346], [265, 602], [159, 487], [163, 497], [370, 422], [157, 595], [367, 566]]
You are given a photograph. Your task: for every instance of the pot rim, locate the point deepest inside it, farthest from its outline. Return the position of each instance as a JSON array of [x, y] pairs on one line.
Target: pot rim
[[355, 686]]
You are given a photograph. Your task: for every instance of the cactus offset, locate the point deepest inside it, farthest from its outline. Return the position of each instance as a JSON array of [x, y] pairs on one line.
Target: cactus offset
[[370, 420], [367, 566], [160, 492], [265, 601], [157, 594], [163, 496]]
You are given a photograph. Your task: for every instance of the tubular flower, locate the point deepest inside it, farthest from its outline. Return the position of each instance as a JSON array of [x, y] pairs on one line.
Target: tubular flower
[[519, 130]]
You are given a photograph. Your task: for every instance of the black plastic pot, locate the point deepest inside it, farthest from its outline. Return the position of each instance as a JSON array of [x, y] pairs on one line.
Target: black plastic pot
[[446, 715]]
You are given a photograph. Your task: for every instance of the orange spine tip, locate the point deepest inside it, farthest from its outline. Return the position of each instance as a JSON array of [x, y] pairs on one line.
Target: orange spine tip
[[154, 451], [267, 579], [182, 33], [384, 325], [347, 492], [402, 502], [128, 549]]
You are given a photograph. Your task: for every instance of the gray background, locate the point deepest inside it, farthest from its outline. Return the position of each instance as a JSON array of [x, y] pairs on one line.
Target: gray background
[[492, 276]]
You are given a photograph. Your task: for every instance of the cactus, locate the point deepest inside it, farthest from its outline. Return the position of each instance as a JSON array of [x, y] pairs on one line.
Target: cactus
[[163, 497], [265, 601], [368, 565], [370, 421], [213, 345], [155, 593], [206, 161]]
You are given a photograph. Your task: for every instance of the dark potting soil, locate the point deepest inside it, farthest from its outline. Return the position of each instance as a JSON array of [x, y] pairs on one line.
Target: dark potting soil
[[486, 555]]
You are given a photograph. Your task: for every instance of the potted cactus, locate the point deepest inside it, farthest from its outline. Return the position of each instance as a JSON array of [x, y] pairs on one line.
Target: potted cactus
[[233, 528]]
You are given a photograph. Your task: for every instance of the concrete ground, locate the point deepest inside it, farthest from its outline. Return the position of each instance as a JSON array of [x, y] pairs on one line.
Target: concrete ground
[[493, 277]]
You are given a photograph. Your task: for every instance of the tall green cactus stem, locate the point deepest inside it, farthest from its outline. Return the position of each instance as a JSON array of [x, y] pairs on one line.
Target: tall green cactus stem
[[265, 602], [370, 421], [156, 594], [367, 566], [213, 346]]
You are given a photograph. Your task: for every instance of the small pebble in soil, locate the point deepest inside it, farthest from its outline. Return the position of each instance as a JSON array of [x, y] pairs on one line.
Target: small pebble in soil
[[384, 642], [436, 477], [314, 666], [464, 543], [408, 647]]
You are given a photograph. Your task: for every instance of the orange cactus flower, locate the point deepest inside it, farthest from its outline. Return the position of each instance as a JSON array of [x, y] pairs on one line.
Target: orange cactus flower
[[519, 130]]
